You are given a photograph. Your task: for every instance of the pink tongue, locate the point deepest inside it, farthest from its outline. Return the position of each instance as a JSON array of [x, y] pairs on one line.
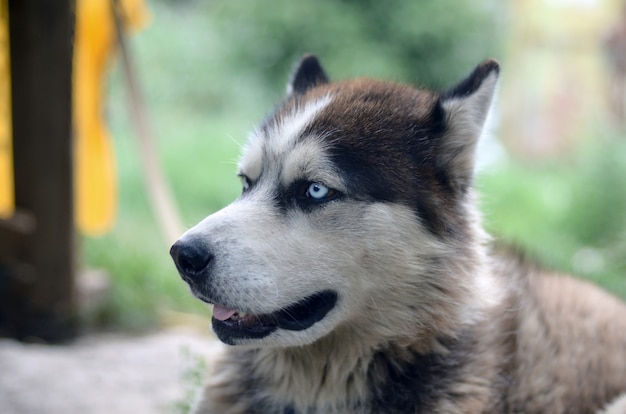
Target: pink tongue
[[221, 313]]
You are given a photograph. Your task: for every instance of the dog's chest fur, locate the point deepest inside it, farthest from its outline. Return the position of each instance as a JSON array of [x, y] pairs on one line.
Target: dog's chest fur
[[387, 381]]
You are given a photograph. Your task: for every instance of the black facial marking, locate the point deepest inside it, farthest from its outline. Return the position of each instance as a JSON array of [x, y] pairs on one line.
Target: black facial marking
[[296, 317], [296, 195], [387, 140], [390, 141], [416, 384], [246, 183], [412, 179]]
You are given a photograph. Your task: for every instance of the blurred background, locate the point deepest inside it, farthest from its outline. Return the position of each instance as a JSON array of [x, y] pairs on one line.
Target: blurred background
[[552, 166], [196, 77], [162, 99]]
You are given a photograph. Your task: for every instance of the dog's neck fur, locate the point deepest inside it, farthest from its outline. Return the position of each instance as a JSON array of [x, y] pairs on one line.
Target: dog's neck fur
[[326, 368], [330, 377]]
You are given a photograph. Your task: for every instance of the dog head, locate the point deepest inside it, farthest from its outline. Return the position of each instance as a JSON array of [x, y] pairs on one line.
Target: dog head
[[356, 216]]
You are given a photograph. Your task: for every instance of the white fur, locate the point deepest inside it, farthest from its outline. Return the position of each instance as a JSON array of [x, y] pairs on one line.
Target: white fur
[[618, 406], [290, 127], [279, 139]]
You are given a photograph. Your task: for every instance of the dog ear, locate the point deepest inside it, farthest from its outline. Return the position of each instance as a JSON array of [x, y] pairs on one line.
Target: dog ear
[[307, 74], [465, 108]]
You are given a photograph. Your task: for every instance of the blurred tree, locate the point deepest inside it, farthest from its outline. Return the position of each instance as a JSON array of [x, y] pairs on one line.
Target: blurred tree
[[432, 42]]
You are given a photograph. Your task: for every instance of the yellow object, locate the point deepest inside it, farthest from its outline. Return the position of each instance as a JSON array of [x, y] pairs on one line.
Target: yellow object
[[6, 151], [95, 176], [94, 169]]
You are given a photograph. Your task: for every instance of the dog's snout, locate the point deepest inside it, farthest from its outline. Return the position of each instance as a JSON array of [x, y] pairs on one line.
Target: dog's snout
[[191, 258]]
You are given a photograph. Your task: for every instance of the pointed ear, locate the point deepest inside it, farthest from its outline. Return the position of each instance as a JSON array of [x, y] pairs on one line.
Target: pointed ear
[[465, 108], [307, 74]]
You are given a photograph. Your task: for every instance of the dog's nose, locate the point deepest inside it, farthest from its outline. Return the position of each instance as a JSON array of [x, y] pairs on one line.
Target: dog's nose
[[191, 258]]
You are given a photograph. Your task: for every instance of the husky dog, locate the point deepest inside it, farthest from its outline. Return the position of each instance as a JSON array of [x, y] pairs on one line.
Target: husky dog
[[352, 275]]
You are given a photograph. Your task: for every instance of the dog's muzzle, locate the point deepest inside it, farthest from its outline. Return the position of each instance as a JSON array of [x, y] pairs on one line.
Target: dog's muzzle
[[195, 262]]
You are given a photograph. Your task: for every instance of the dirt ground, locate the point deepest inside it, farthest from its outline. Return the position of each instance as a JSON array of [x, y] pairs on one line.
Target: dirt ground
[[104, 374]]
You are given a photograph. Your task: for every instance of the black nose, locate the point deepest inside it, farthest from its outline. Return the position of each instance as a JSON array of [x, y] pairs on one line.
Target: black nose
[[191, 258]]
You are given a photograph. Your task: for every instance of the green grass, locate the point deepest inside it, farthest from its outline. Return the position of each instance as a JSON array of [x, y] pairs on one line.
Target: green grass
[[192, 379]]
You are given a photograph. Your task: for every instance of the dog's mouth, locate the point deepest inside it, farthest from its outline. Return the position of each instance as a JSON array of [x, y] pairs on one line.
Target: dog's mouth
[[231, 325]]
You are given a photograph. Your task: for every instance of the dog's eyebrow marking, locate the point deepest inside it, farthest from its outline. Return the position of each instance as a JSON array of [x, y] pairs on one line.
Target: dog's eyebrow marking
[[308, 161], [278, 138], [289, 128]]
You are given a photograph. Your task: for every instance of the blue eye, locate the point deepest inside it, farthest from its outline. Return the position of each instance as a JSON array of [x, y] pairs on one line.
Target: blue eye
[[312, 194], [318, 191]]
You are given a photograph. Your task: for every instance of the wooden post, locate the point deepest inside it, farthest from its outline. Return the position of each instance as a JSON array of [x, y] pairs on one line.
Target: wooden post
[[39, 303]]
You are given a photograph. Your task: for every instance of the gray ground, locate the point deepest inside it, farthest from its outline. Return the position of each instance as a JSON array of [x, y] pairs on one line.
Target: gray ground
[[104, 374]]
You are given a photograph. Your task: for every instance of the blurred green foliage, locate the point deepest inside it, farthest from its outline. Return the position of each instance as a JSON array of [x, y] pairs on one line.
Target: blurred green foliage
[[210, 70], [570, 213], [433, 42], [254, 44]]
